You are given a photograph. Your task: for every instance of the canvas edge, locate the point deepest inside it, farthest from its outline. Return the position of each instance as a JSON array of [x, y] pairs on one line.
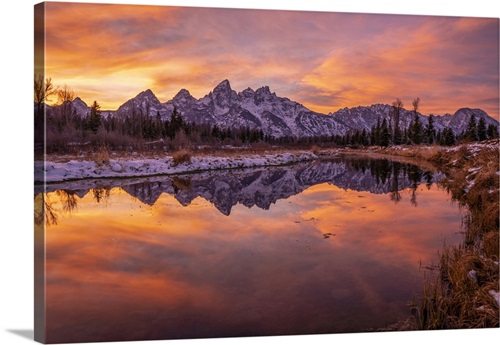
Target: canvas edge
[[39, 202]]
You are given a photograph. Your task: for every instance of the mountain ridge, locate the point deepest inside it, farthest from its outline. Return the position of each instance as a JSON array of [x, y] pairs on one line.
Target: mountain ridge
[[278, 116]]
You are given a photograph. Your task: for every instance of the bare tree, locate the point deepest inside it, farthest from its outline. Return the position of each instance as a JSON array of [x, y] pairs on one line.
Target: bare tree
[[44, 211], [416, 129], [416, 103], [65, 98], [68, 200], [43, 89], [397, 105], [66, 94]]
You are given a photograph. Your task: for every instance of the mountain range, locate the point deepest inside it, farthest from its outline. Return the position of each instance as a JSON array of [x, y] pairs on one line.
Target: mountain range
[[276, 116]]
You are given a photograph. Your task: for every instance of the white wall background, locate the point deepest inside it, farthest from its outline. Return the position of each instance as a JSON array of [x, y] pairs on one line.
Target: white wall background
[[16, 198]]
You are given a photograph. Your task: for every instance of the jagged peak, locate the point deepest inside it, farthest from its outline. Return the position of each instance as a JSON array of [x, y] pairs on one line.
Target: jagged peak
[[79, 100], [223, 86], [146, 92], [183, 93], [248, 92], [263, 89]]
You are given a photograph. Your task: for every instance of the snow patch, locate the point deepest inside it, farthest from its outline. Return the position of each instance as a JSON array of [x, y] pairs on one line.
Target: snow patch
[[495, 295], [116, 167], [472, 275], [74, 170]]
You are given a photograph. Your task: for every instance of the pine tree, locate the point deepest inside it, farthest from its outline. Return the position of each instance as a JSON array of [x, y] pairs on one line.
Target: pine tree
[[471, 131], [492, 131], [385, 135], [416, 130], [94, 121], [430, 131], [447, 137], [364, 138], [175, 124], [481, 130], [375, 134], [216, 133]]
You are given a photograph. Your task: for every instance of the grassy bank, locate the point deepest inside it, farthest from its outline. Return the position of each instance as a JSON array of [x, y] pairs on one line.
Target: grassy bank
[[463, 292]]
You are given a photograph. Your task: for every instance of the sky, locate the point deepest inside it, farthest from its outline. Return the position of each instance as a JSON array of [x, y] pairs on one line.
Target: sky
[[324, 60]]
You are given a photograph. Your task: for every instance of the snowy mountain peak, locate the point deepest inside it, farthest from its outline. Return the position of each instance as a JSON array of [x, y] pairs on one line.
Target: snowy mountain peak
[[469, 111], [145, 103], [263, 90], [147, 94], [279, 116], [183, 96], [183, 93], [247, 93], [223, 97], [79, 100], [79, 107], [181, 100], [79, 103], [223, 87]]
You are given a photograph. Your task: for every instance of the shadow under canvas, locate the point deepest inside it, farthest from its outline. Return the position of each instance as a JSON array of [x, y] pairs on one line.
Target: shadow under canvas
[[25, 333]]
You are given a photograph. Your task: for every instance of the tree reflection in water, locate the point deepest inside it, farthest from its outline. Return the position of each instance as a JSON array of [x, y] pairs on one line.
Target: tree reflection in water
[[261, 187], [100, 194], [44, 210], [383, 170]]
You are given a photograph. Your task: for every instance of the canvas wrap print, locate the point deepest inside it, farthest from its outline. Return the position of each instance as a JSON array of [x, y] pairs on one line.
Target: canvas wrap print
[[213, 172]]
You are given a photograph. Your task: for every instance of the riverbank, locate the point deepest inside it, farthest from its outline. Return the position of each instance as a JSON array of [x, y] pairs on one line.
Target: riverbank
[[105, 165], [463, 290]]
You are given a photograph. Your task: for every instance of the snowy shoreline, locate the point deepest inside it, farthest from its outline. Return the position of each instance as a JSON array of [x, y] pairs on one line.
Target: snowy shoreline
[[50, 171]]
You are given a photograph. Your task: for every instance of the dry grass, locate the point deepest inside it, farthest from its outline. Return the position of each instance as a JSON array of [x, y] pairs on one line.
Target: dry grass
[[474, 183], [100, 156], [459, 297], [182, 156], [316, 150], [180, 183], [429, 153], [161, 152]]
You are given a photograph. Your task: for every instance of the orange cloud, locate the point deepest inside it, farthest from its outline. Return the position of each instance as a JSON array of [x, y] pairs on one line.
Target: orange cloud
[[406, 64], [110, 53]]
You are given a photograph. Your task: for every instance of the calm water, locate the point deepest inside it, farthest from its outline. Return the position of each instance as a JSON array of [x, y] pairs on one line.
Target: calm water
[[311, 248]]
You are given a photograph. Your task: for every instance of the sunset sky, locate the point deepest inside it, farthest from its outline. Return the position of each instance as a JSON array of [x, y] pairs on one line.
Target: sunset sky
[[326, 61]]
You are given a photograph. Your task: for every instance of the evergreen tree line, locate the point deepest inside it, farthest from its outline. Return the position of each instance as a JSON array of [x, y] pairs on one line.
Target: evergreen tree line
[[417, 133], [177, 131], [62, 128]]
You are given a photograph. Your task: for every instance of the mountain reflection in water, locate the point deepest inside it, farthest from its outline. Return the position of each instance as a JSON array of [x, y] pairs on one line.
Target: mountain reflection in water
[[259, 187], [332, 247]]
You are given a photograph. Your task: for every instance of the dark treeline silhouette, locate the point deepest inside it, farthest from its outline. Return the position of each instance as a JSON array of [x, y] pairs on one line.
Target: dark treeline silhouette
[[65, 129], [417, 133]]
